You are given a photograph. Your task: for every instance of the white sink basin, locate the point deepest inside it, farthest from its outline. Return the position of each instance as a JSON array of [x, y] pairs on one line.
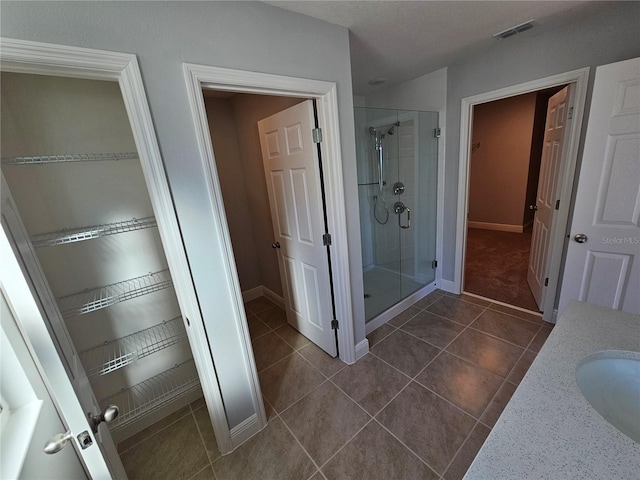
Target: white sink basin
[[610, 381]]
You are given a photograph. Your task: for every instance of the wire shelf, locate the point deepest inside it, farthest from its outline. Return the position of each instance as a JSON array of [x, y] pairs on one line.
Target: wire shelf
[[152, 394], [95, 231], [74, 157], [118, 353], [103, 297]]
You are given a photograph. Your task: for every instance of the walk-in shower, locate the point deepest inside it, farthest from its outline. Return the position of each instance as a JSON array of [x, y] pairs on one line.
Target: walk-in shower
[[397, 156]]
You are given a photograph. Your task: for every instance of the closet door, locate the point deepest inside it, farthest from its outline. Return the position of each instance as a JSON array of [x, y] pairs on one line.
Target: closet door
[[84, 223]]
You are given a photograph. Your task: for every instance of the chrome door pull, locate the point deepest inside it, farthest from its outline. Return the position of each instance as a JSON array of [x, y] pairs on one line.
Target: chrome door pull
[[399, 208], [275, 245], [581, 238]]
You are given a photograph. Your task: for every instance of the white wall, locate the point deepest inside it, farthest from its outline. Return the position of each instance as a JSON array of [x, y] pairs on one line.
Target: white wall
[[427, 93], [242, 35], [609, 35]]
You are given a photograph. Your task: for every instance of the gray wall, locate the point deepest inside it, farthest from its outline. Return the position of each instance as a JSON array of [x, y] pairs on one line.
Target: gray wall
[[608, 36], [242, 35]]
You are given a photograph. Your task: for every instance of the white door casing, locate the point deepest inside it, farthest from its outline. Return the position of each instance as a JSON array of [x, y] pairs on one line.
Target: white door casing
[[605, 270], [579, 79], [291, 166], [551, 165]]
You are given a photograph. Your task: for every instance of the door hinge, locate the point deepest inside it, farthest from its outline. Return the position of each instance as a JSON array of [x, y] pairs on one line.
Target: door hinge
[[558, 204], [570, 115], [334, 324], [437, 132], [434, 264], [546, 282], [316, 133], [326, 239]]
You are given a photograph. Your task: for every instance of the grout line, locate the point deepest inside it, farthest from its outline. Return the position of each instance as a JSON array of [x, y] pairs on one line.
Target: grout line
[[206, 450], [407, 447], [301, 446], [201, 470], [346, 443], [155, 433]]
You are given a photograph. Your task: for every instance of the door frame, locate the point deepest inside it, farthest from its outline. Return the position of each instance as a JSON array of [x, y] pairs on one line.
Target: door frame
[[325, 94], [580, 79], [22, 56]]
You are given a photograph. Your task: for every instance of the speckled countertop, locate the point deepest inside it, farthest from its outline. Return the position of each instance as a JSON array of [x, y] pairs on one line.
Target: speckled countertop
[[549, 430]]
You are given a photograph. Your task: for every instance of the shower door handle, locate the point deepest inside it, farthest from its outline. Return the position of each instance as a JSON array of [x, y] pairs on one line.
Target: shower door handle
[[399, 208]]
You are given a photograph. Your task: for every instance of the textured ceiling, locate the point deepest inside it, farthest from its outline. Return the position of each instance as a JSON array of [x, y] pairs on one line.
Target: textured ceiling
[[401, 40]]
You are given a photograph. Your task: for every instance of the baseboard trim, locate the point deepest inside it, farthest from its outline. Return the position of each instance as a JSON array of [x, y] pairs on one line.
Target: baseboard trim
[[245, 430], [262, 291], [274, 297], [252, 293], [501, 227], [447, 286], [362, 348]]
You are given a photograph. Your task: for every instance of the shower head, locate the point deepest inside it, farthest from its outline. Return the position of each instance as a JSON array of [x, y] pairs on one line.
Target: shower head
[[372, 131], [393, 127]]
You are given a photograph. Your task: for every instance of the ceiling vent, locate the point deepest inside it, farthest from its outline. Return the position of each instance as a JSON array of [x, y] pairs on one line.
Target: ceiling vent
[[509, 32]]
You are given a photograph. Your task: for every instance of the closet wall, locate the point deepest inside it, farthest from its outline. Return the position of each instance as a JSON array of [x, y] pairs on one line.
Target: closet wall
[[130, 336], [233, 124]]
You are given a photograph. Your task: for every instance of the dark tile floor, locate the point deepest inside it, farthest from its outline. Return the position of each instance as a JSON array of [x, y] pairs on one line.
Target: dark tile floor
[[419, 405]]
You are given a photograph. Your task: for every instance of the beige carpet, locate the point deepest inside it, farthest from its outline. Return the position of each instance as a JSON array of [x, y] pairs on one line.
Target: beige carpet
[[496, 266]]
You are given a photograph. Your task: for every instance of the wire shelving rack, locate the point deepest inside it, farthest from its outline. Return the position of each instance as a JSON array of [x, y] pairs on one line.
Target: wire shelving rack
[[81, 234], [73, 157], [105, 296], [153, 393], [118, 353]]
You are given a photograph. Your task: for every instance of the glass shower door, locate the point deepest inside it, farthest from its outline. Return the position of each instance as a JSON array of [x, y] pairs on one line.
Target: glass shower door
[[418, 171], [397, 182]]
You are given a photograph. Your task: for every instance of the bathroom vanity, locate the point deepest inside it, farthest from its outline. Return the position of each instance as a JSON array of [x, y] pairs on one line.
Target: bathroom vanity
[[549, 429]]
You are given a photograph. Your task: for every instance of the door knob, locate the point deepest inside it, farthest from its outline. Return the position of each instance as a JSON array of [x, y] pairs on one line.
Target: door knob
[[57, 442], [275, 245], [533, 207], [581, 238], [107, 415]]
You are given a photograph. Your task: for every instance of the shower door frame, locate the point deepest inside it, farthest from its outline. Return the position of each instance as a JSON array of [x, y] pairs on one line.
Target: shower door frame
[[405, 302]]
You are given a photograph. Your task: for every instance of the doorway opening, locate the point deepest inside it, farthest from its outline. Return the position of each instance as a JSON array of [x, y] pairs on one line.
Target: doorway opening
[[201, 78], [551, 267], [270, 178], [507, 150]]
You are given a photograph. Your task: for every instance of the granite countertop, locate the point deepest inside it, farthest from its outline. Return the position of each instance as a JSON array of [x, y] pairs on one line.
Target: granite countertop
[[548, 430]]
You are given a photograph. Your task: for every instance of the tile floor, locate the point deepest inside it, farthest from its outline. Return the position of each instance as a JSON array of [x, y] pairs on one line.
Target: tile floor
[[418, 406]]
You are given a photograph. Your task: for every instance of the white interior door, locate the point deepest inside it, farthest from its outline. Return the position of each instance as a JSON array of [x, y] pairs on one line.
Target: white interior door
[[71, 413], [603, 257], [553, 155], [291, 166], [53, 323]]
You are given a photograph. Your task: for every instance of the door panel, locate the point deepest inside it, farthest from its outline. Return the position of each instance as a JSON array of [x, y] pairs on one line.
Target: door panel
[[605, 269], [295, 201], [553, 155]]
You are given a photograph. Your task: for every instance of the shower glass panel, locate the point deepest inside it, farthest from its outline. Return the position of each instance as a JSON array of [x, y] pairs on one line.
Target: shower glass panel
[[397, 159]]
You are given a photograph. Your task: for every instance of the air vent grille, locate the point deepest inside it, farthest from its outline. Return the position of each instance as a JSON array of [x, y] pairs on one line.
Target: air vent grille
[[509, 32]]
